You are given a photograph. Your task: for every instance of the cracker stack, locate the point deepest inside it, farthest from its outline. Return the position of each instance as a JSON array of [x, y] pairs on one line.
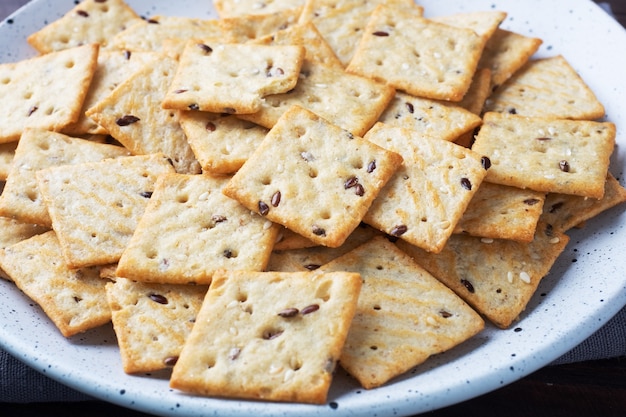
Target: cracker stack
[[252, 199]]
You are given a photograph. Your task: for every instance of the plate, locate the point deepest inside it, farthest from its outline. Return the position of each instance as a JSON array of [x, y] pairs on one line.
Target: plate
[[585, 288]]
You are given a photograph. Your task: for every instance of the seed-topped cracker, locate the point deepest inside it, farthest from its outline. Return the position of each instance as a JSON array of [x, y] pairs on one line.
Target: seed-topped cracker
[[221, 142], [90, 21], [74, 299], [496, 277], [133, 115], [341, 22], [426, 197], [311, 257], [149, 35], [39, 149], [233, 8], [114, 67], [403, 317], [548, 87], [502, 212], [152, 321], [548, 155], [225, 235], [483, 23], [563, 211], [95, 207], [505, 53], [46, 91], [323, 90], [232, 78], [315, 161], [417, 55], [269, 336], [429, 117]]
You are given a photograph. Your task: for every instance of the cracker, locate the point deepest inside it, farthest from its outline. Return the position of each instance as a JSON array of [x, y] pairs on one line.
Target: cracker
[[403, 317], [90, 21], [7, 152], [132, 114], [433, 118], [505, 53], [428, 194], [312, 256], [114, 67], [319, 162], [149, 35], [45, 91], [307, 35], [73, 299], [564, 211], [253, 26], [232, 78], [234, 8], [152, 321], [220, 142], [13, 231], [549, 155], [268, 336], [417, 55], [288, 239], [341, 22], [497, 278], [502, 212], [548, 87], [40, 149], [322, 90], [225, 234], [474, 101], [483, 23], [96, 206]]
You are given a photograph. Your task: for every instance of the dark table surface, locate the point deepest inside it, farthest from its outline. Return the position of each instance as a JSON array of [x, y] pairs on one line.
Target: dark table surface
[[582, 389]]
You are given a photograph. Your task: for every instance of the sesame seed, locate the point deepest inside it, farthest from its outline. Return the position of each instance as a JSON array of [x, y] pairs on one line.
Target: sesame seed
[[486, 240], [524, 277]]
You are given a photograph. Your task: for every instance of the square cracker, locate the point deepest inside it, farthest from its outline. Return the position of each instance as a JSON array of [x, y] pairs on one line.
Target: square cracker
[[220, 142], [564, 211], [13, 231], [341, 22], [311, 257], [502, 212], [307, 35], [322, 90], [548, 87], [404, 314], [497, 277], [46, 91], [152, 321], [132, 114], [434, 118], [235, 8], [483, 23], [417, 55], [548, 155], [73, 299], [427, 195], [40, 149], [323, 181], [114, 67], [232, 78], [90, 21], [505, 53], [268, 335], [95, 206], [225, 234]]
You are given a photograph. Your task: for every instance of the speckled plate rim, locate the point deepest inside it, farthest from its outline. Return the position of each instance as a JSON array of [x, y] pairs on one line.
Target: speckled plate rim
[[586, 287]]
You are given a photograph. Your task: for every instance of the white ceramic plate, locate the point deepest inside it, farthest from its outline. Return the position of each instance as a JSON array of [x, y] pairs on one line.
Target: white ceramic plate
[[586, 287]]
